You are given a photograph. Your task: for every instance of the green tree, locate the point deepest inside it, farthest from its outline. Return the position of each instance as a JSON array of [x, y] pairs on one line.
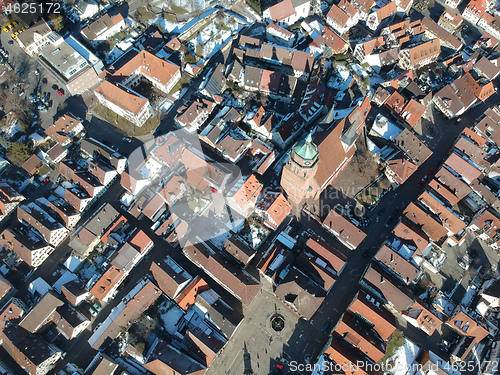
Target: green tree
[[230, 84], [57, 21], [199, 50], [24, 126], [190, 59], [19, 152]]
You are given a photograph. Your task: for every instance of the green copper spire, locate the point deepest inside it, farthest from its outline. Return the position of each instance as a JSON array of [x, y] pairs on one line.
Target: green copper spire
[[306, 149]]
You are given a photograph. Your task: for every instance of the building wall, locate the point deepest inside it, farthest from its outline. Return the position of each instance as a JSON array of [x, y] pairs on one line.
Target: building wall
[[139, 119]]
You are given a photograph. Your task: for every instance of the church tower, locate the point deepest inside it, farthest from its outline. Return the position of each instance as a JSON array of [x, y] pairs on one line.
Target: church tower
[[297, 178]]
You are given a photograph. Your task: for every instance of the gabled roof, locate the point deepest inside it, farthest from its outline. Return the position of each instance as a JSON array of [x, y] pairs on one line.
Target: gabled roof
[[169, 276], [425, 319], [328, 253], [338, 16], [452, 182], [245, 190], [360, 338], [427, 223], [60, 129], [397, 264], [397, 294], [467, 325], [168, 360], [240, 250], [370, 309], [33, 164], [413, 112], [440, 33], [473, 152], [413, 147], [301, 292], [412, 234], [462, 167], [149, 65], [122, 97], [188, 296], [41, 312], [402, 168], [101, 25], [347, 231], [107, 282], [239, 283], [444, 192], [276, 207], [282, 10]]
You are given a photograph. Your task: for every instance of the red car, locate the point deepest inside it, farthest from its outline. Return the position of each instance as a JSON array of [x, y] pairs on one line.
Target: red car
[[60, 93], [213, 190], [45, 181]]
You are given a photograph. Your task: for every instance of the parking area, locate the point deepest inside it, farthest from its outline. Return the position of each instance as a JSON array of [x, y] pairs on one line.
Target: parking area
[[35, 80]]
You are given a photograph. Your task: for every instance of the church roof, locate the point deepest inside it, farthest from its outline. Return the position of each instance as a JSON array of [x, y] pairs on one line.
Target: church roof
[[306, 149]]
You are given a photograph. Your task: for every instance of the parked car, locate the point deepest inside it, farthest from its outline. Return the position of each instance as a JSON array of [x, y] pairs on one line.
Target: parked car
[[127, 139], [92, 311], [60, 92]]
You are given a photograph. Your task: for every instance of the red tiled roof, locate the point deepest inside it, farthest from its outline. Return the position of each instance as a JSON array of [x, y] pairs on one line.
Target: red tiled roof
[[358, 337], [149, 65], [140, 241], [346, 230], [442, 190], [462, 167], [426, 320], [282, 10], [383, 321], [247, 191], [408, 232], [324, 250], [188, 295], [122, 97], [397, 264], [107, 281], [61, 127], [429, 225]]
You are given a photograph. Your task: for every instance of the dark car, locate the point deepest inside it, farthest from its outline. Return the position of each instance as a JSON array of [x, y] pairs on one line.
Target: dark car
[[390, 220], [366, 253], [55, 87]]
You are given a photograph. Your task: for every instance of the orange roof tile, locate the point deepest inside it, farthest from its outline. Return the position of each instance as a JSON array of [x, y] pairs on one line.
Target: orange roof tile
[[122, 97], [246, 191], [107, 281], [188, 295], [150, 66]]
